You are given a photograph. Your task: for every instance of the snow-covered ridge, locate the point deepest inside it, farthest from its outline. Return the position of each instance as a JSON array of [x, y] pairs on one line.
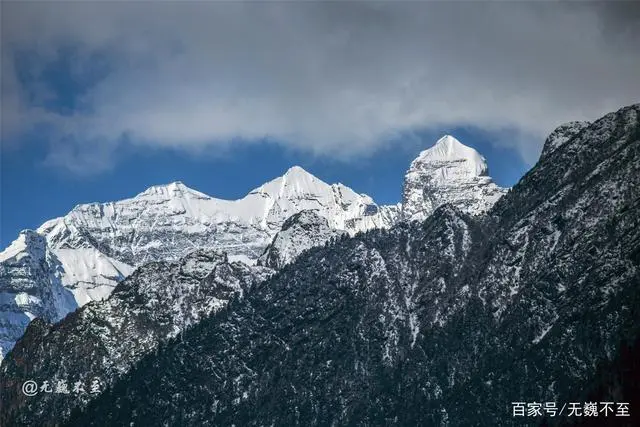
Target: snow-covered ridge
[[171, 191], [87, 252], [98, 244]]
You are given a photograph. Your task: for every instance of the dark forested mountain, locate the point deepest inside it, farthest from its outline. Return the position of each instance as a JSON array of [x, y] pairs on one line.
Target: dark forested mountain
[[161, 300], [327, 333], [443, 322], [103, 339]]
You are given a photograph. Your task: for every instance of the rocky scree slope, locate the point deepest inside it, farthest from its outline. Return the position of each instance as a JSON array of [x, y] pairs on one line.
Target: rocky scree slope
[[440, 323]]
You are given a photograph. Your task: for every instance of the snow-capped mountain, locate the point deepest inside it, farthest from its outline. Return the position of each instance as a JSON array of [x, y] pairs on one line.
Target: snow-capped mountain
[[426, 315], [449, 172], [443, 322], [97, 245], [30, 287], [300, 232]]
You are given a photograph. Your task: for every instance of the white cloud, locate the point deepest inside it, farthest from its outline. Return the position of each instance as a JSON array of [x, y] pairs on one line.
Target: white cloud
[[333, 78]]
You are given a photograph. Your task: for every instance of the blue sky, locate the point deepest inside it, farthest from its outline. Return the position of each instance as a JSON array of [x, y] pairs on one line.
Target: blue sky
[[101, 100]]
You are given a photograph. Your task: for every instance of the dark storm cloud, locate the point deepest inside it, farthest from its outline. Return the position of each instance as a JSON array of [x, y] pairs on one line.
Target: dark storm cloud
[[336, 78], [620, 18]]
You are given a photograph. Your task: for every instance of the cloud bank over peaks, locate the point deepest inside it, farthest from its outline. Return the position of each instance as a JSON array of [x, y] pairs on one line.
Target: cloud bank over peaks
[[335, 79]]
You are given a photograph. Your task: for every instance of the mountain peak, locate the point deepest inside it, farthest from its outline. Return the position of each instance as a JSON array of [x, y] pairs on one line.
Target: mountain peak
[[449, 149], [449, 141], [169, 191], [297, 170], [295, 182], [448, 172], [177, 184], [296, 174]]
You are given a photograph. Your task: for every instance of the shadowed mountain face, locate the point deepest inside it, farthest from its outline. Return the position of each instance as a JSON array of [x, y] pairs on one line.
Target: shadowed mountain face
[[103, 339], [444, 322], [440, 322]]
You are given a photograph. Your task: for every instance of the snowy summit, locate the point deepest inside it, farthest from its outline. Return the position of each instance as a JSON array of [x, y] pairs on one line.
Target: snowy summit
[[449, 149], [448, 172]]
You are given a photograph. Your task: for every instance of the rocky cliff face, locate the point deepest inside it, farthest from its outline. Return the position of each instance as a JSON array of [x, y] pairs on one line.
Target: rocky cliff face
[[299, 233], [30, 287], [561, 135], [444, 322], [105, 338], [448, 172]]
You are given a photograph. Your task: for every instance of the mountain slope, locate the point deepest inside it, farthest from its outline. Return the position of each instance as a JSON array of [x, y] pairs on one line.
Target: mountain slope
[[99, 244], [440, 323], [329, 328], [105, 338]]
